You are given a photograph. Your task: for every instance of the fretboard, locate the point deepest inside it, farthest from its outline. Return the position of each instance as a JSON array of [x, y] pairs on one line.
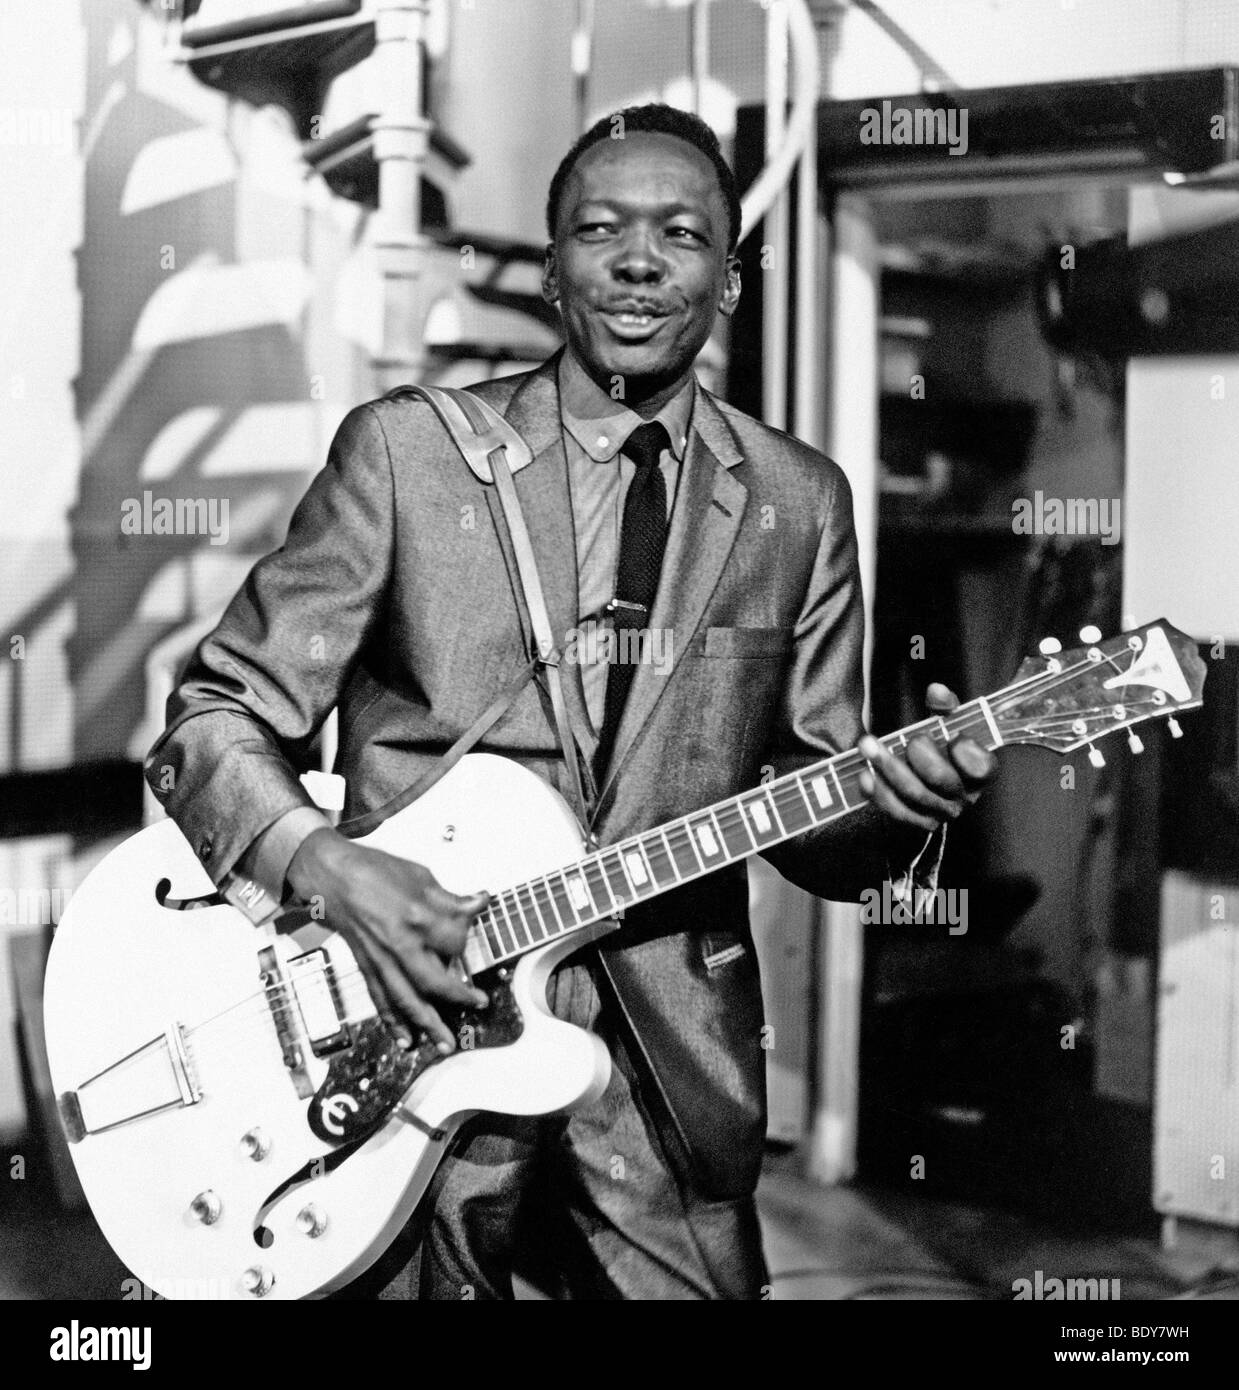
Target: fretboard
[[632, 871]]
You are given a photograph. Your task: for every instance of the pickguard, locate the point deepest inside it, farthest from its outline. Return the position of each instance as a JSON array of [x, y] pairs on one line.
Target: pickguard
[[367, 1079]]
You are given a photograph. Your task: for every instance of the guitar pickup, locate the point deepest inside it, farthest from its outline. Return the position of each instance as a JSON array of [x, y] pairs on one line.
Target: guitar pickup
[[318, 1000]]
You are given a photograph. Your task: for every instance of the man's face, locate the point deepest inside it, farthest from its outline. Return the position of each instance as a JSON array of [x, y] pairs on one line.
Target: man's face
[[639, 264]]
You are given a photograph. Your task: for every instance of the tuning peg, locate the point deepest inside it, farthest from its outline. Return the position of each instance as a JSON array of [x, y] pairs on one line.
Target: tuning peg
[[1090, 634], [1049, 646], [1175, 730], [1094, 756], [1133, 741]]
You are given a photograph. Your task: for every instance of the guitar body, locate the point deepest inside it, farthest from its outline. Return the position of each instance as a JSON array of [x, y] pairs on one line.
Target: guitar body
[[218, 1121]]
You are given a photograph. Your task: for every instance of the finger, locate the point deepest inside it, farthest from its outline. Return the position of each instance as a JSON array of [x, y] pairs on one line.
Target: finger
[[394, 1003], [408, 1003], [439, 899], [446, 918], [882, 797], [446, 937], [433, 980], [904, 782], [934, 767], [374, 986], [974, 764], [940, 699], [428, 1022]]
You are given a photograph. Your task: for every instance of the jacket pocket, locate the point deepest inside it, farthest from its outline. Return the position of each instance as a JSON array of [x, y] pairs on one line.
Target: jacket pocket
[[747, 642]]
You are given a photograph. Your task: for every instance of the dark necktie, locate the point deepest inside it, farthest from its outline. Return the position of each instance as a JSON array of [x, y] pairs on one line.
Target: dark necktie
[[643, 537]]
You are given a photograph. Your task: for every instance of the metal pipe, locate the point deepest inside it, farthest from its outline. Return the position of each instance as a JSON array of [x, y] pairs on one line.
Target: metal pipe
[[775, 255], [807, 356], [699, 51], [582, 58], [401, 140], [793, 18]]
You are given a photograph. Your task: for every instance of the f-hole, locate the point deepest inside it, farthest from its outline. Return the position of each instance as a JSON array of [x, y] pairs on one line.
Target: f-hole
[[164, 887]]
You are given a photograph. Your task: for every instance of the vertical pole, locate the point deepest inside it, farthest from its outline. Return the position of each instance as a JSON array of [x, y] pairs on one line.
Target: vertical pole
[[810, 317], [582, 58], [848, 271], [401, 138], [775, 278], [852, 332], [699, 52]]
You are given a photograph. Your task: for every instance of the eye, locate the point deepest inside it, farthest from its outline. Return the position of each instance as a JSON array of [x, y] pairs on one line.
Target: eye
[[595, 229], [680, 233]]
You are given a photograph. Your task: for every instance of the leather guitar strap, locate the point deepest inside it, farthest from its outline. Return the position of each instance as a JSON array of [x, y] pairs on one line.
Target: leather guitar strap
[[494, 451]]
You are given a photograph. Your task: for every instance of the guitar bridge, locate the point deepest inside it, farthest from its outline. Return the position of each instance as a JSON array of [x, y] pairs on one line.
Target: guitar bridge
[[152, 1078]]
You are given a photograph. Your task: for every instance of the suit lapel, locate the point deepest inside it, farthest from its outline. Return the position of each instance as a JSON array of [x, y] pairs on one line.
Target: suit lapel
[[705, 522]]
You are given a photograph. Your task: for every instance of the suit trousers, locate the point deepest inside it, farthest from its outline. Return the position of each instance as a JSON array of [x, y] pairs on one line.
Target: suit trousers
[[583, 1205]]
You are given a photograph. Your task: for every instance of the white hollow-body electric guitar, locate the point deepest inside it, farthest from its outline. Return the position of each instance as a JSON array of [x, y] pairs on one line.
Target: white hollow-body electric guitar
[[242, 1122]]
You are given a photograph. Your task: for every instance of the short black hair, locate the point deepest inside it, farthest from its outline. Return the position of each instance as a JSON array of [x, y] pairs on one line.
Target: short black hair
[[657, 118]]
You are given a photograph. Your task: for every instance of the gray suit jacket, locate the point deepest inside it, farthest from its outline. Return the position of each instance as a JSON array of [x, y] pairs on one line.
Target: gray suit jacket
[[394, 598]]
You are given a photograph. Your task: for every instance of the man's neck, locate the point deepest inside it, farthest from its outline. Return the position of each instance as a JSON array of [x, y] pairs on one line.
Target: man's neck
[[645, 396]]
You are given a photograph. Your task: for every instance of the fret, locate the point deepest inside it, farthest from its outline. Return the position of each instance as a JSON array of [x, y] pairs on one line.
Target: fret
[[684, 851], [514, 943], [637, 867], [842, 793], [528, 907], [578, 892], [706, 842], [525, 933], [768, 793], [819, 795], [545, 906], [613, 868], [658, 857], [562, 903], [729, 818], [670, 856], [599, 887], [795, 810], [490, 931], [758, 821], [983, 705]]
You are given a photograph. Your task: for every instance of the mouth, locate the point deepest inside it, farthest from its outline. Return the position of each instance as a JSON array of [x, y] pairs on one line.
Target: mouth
[[633, 325]]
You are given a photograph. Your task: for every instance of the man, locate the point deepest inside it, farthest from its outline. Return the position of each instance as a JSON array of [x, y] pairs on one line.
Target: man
[[392, 600]]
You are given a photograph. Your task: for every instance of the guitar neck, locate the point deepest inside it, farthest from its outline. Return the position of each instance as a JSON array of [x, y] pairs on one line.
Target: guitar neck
[[641, 867]]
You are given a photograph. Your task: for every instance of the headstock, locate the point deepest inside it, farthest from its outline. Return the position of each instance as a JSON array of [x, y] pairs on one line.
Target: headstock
[[1065, 700]]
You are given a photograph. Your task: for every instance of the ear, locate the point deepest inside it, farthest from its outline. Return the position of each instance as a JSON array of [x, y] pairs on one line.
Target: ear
[[550, 276], [730, 297]]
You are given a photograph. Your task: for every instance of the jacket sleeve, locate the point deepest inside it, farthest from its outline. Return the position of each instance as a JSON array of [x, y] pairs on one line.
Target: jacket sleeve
[[820, 715], [260, 685]]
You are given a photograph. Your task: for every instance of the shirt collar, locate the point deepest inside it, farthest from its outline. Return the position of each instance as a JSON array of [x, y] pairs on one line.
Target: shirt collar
[[600, 425]]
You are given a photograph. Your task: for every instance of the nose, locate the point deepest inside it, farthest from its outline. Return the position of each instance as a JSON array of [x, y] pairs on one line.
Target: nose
[[638, 261]]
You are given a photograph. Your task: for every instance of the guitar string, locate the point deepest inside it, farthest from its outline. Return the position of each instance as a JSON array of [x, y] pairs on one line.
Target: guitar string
[[999, 701], [1003, 699]]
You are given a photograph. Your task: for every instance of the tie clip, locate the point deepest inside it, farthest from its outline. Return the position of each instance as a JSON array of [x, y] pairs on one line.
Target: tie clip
[[623, 603]]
